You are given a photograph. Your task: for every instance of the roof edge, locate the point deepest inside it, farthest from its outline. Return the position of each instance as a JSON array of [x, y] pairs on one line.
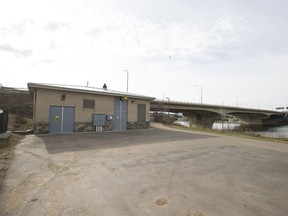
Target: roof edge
[[89, 90]]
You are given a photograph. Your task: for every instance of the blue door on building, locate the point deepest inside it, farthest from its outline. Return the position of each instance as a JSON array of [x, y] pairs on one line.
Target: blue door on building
[[120, 113], [61, 119]]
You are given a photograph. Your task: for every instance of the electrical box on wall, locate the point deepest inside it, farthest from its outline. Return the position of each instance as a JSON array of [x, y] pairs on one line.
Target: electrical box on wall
[[109, 117], [98, 119]]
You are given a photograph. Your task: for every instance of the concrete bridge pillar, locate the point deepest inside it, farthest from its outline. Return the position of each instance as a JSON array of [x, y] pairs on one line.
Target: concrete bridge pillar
[[201, 120], [251, 119], [192, 119]]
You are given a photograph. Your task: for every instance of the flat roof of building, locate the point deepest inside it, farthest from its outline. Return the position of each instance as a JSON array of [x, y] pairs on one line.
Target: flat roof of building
[[87, 90]]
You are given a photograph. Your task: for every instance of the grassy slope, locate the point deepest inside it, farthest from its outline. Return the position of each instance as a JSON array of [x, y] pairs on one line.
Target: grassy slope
[[20, 108], [17, 102], [231, 133]]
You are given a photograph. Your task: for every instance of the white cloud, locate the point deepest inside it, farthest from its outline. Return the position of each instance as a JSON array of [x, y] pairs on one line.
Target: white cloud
[[232, 46], [130, 36], [15, 51]]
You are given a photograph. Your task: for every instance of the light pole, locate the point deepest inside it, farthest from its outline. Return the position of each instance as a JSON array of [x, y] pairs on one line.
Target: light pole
[[168, 109], [127, 79], [164, 96], [236, 98], [201, 92]]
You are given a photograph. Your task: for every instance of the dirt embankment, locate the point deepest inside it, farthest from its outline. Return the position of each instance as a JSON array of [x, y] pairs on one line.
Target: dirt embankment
[[19, 105]]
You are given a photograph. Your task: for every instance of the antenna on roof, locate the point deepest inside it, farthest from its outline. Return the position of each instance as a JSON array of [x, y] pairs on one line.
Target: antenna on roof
[[87, 84]]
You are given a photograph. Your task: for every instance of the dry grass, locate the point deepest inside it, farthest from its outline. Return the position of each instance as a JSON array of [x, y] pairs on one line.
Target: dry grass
[[18, 122], [231, 133]]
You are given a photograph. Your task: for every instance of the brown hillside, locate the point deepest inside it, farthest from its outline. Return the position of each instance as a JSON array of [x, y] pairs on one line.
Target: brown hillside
[[19, 104], [16, 101]]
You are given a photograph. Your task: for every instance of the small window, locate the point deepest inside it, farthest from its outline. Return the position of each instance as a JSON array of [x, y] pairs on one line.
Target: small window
[[88, 104], [63, 97]]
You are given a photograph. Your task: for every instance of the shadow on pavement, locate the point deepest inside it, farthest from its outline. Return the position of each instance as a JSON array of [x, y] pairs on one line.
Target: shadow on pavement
[[59, 143]]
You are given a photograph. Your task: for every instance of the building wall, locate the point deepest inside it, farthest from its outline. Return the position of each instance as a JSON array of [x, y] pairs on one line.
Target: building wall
[[132, 109], [46, 98], [132, 114], [83, 117]]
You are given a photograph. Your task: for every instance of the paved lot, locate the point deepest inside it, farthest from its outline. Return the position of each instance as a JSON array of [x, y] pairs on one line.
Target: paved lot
[[147, 172]]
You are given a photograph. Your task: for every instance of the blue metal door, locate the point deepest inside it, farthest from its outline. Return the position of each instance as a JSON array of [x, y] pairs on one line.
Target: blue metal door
[[120, 114], [68, 119], [55, 119], [61, 119]]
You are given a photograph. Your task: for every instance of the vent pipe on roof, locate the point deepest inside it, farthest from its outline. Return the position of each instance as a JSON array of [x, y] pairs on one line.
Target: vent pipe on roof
[[105, 86]]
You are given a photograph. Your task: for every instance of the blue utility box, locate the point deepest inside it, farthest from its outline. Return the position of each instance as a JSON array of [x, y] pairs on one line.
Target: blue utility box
[[99, 119]]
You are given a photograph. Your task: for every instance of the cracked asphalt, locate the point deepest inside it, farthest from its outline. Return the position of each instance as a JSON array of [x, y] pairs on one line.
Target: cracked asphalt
[[146, 172]]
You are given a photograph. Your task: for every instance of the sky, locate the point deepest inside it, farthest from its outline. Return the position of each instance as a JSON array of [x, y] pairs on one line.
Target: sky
[[235, 51]]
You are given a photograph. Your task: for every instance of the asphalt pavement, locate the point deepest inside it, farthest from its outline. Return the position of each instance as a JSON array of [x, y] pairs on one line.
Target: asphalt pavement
[[146, 172]]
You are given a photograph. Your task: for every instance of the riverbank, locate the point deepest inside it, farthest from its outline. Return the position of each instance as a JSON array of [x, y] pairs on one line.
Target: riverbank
[[245, 134]]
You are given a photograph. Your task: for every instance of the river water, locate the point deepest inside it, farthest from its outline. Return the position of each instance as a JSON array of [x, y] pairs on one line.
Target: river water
[[275, 132]]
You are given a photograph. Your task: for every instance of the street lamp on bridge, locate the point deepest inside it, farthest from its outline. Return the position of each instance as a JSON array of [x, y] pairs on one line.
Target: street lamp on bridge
[[127, 79], [236, 98], [201, 92]]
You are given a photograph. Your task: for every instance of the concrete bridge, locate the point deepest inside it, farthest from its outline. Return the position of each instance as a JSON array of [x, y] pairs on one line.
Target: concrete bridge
[[204, 115]]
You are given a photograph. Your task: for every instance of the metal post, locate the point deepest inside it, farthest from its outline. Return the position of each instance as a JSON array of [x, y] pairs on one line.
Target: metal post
[[201, 92], [127, 79], [164, 96], [120, 115], [168, 109], [236, 98]]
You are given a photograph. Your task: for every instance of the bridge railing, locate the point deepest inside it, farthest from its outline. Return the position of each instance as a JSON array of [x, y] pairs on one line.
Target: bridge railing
[[185, 103]]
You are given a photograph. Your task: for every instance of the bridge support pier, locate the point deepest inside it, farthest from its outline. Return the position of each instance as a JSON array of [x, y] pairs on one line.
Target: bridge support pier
[[251, 119], [201, 120]]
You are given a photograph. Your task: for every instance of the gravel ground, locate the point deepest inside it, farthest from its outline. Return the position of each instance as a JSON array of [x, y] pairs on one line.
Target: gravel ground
[[148, 172], [7, 147]]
